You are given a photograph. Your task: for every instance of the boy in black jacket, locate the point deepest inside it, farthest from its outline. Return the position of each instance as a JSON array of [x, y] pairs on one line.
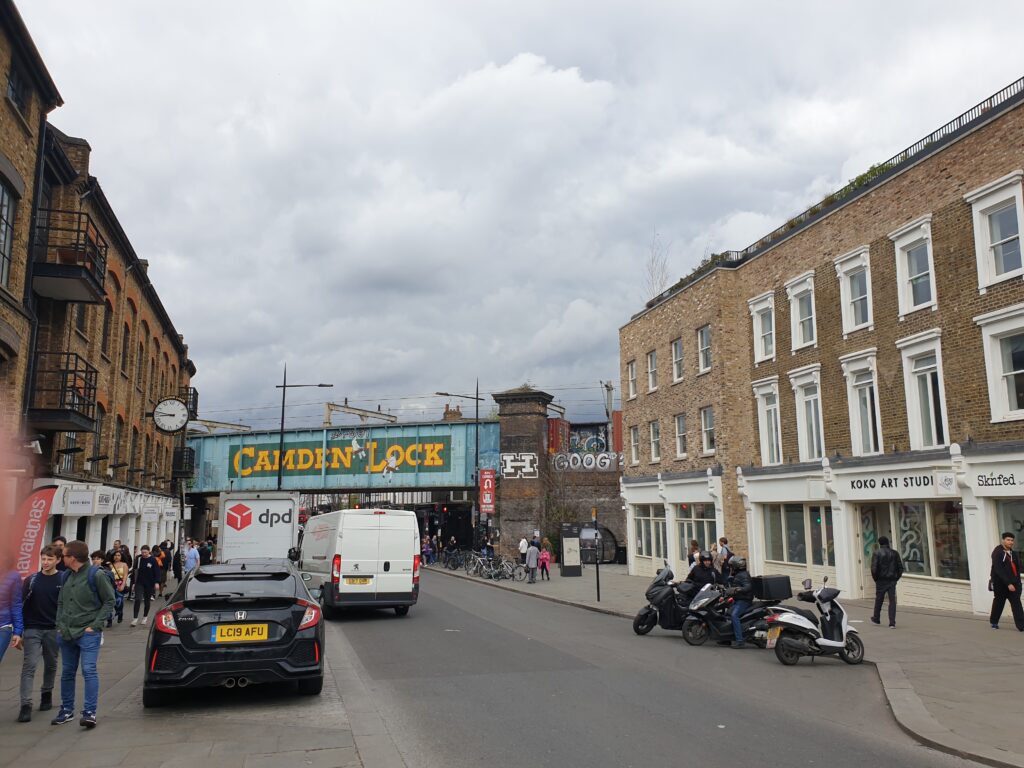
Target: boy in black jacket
[[39, 596], [147, 576]]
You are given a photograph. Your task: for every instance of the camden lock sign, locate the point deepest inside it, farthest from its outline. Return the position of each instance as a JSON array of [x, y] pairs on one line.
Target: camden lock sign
[[400, 455]]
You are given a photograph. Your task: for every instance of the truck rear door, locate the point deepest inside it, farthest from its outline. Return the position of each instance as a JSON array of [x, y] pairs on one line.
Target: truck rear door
[[398, 544], [359, 552]]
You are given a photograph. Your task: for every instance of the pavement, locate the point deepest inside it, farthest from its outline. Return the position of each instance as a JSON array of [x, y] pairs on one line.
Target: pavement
[[950, 679]]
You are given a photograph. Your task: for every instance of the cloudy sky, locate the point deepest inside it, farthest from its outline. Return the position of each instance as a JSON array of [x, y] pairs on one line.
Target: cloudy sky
[[401, 197]]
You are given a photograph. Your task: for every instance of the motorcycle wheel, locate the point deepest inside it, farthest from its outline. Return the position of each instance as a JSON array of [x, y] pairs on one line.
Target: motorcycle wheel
[[853, 652], [695, 632], [786, 656], [644, 621]]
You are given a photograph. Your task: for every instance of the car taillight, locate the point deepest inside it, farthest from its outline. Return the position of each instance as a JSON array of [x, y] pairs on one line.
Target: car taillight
[[311, 616], [336, 569], [164, 621], [415, 569]]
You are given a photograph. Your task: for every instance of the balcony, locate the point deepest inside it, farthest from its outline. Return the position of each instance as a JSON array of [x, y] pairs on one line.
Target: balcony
[[70, 257], [184, 463], [190, 396], [63, 394]]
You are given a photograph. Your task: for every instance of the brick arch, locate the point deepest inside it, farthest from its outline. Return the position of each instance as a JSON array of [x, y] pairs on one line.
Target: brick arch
[[117, 279]]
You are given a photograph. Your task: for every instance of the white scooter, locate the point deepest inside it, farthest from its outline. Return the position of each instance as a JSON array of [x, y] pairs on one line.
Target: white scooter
[[798, 632]]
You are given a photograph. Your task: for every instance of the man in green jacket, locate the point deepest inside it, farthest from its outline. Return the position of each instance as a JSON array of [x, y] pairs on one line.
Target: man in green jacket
[[85, 601]]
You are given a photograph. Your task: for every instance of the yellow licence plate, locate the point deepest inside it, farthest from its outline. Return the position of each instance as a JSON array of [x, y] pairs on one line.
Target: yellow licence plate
[[239, 633], [773, 636], [356, 581]]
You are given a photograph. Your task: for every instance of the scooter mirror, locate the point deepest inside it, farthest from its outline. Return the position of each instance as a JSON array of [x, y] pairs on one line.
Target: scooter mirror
[[807, 583], [825, 580]]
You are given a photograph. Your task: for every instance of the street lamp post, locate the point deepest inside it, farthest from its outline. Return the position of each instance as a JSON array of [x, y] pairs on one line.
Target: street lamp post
[[284, 386], [476, 435]]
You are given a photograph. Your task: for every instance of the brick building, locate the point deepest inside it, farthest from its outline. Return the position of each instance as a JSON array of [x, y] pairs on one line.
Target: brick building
[[858, 372], [86, 347]]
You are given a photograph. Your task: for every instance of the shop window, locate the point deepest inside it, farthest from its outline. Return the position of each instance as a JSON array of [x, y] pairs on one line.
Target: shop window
[[823, 551], [707, 428], [925, 391], [915, 266], [930, 536], [659, 542], [762, 313], [677, 360], [774, 543], [1010, 517], [800, 290], [862, 400], [631, 379], [704, 349], [681, 436], [655, 432], [649, 526], [652, 370], [854, 272], [996, 209], [634, 445], [766, 392], [696, 522], [1003, 341], [806, 386], [788, 528], [796, 540]]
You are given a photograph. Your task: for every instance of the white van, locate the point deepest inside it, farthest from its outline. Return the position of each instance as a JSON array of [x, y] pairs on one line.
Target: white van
[[363, 557]]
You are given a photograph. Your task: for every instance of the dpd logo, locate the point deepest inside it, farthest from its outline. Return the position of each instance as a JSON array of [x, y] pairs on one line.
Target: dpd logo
[[275, 517], [239, 517]]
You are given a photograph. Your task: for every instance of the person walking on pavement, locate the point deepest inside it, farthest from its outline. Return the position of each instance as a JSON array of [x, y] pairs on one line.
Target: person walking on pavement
[[39, 593], [206, 553], [60, 542], [523, 546], [120, 570], [85, 600], [544, 560], [741, 588], [97, 559], [11, 624], [1005, 581], [158, 554], [886, 570], [532, 557], [191, 556], [147, 576]]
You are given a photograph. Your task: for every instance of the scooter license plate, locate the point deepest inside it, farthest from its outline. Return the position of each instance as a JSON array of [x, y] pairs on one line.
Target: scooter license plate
[[773, 636]]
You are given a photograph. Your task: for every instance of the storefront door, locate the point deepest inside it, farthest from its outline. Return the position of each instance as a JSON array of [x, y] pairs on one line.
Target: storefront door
[[875, 522]]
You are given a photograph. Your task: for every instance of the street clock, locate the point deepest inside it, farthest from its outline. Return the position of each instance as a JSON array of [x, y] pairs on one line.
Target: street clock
[[170, 415]]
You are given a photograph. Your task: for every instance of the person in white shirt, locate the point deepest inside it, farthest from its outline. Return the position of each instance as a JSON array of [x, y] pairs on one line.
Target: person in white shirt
[[523, 546]]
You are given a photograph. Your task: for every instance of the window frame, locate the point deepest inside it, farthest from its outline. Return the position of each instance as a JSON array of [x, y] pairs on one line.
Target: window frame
[[8, 219], [631, 379], [634, 444], [701, 349], [914, 348], [704, 431], [984, 201], [683, 453], [853, 365], [763, 389], [652, 371], [905, 239], [996, 326], [654, 432], [849, 264], [761, 306], [678, 368], [799, 380], [796, 288]]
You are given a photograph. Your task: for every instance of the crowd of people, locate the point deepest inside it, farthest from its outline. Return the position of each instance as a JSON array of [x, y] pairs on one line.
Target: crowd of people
[[61, 610]]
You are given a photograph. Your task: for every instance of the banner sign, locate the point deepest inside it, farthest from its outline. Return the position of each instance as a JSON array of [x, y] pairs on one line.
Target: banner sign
[[399, 455], [29, 524], [150, 514], [487, 491], [78, 503]]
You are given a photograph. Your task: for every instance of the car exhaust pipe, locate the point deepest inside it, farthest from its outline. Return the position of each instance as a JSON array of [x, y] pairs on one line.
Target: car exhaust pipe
[[229, 683], [242, 682]]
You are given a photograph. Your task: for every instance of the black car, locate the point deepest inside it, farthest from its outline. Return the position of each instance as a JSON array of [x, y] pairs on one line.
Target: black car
[[247, 621]]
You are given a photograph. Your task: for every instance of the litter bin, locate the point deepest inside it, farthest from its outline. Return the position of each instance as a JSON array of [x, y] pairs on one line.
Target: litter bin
[[620, 555]]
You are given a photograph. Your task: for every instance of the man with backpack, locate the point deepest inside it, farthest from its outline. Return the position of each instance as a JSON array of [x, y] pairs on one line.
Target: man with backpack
[[39, 609], [85, 601]]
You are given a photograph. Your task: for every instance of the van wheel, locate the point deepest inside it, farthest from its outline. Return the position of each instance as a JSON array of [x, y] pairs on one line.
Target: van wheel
[[311, 687], [401, 610]]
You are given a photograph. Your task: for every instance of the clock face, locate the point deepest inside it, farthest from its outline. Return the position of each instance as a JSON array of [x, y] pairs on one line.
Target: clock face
[[170, 415]]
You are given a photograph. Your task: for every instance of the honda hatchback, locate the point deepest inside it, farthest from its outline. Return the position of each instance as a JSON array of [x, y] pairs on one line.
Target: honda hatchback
[[236, 624]]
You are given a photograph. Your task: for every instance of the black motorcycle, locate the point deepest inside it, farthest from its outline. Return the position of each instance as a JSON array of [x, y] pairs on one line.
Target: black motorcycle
[[668, 604], [710, 616]]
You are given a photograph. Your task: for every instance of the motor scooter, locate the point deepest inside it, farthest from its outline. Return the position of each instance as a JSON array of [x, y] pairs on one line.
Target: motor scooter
[[711, 617], [798, 632], [667, 603]]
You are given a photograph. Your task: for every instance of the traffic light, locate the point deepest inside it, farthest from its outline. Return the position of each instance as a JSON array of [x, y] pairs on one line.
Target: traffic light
[[444, 509]]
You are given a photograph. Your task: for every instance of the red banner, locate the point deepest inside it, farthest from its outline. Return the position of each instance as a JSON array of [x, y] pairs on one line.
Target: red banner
[[488, 491], [29, 524]]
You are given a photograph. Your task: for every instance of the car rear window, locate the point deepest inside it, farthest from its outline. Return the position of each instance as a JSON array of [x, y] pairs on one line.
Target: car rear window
[[242, 584]]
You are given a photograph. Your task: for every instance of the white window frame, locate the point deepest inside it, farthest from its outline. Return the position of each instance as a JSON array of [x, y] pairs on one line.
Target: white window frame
[[853, 364], [847, 265], [985, 200], [762, 307], [680, 436], [701, 349], [913, 348], [676, 346], [631, 379], [996, 326], [769, 422], [905, 239], [800, 286], [799, 380], [705, 451], [654, 429], [634, 445], [652, 370]]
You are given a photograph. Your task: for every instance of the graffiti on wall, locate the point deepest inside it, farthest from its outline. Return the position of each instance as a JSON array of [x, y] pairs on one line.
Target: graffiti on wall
[[515, 466], [588, 438], [587, 462]]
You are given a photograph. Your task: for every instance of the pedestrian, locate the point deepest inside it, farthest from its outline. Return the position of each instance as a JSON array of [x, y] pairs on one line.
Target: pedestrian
[[60, 542], [544, 560], [120, 570], [39, 594], [126, 556], [147, 576], [1004, 581], [532, 558], [158, 554], [85, 600], [741, 589], [694, 553], [523, 546], [206, 553], [99, 562], [886, 570], [165, 567], [11, 622], [191, 556], [176, 564]]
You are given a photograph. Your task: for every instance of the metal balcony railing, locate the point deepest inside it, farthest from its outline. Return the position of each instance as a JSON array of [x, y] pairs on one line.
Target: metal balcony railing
[[190, 396], [184, 464], [71, 238], [64, 390]]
